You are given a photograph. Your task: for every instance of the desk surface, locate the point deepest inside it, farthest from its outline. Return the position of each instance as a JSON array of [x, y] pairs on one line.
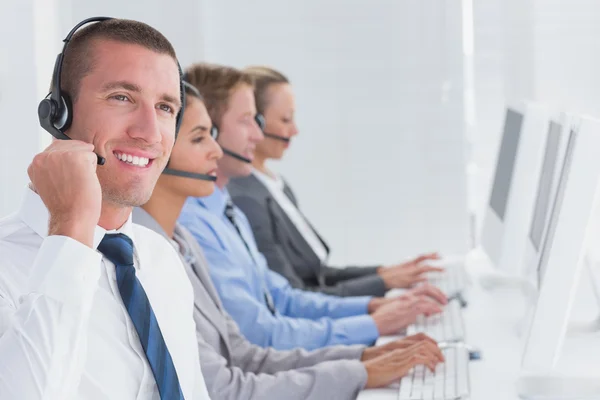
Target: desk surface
[[492, 324]]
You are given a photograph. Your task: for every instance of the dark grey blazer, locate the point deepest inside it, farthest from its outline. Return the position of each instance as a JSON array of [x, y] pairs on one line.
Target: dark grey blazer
[[287, 252]]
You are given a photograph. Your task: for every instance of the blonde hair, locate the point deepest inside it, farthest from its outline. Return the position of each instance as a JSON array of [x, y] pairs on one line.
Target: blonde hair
[[264, 78], [216, 83]]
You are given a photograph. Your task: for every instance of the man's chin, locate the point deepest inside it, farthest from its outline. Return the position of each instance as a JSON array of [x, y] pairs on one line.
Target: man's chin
[[244, 171], [132, 196]]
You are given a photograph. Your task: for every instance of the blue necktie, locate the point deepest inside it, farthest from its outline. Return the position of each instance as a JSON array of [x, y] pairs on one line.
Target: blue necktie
[[118, 248]]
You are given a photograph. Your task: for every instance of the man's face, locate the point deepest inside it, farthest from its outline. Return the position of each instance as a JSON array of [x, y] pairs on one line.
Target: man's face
[[239, 132], [127, 108]]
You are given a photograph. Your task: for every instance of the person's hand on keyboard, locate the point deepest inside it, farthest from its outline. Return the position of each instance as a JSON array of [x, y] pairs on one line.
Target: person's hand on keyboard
[[389, 368], [409, 273], [394, 316], [427, 289], [376, 351]]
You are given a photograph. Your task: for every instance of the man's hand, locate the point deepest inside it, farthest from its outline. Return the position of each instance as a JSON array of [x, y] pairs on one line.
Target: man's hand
[[377, 351], [407, 274], [377, 302], [396, 315], [388, 368], [64, 176], [424, 290], [428, 290]]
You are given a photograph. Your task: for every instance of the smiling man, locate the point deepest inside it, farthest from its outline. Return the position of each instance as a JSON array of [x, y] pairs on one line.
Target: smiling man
[[86, 297]]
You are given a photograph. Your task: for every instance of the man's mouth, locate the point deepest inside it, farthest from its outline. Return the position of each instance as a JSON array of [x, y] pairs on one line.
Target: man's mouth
[[130, 159]]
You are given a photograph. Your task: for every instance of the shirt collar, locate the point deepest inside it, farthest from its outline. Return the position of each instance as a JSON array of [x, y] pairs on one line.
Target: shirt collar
[[216, 202], [34, 214], [142, 217], [268, 180]]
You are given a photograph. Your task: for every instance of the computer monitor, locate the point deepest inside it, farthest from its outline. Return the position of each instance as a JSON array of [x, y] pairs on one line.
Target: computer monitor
[[546, 187], [491, 237], [505, 164], [544, 190], [512, 197], [563, 253]]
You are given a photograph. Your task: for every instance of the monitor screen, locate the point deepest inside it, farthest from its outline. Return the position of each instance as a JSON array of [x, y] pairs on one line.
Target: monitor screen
[[506, 162], [542, 202], [554, 214]]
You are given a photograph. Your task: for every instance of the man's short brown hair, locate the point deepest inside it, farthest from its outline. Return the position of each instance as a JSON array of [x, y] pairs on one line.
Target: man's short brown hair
[[216, 83], [79, 56]]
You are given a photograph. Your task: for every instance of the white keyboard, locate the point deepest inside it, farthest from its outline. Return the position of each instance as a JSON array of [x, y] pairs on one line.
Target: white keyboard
[[447, 326], [450, 381], [454, 279]]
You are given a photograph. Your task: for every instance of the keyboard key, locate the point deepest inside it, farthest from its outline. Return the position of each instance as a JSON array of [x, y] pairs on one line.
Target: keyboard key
[[462, 364], [449, 381], [405, 387], [447, 326]]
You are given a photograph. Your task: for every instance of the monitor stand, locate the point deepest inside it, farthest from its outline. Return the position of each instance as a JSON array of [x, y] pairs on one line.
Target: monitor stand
[[552, 385], [590, 327], [498, 281]]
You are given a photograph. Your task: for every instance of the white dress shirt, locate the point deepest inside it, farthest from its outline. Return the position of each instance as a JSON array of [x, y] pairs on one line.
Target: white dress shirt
[[275, 187], [64, 331]]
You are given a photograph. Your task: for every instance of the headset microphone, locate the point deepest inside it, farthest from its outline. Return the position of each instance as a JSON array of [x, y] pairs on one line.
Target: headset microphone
[[192, 175], [214, 133], [260, 120], [276, 137], [236, 155]]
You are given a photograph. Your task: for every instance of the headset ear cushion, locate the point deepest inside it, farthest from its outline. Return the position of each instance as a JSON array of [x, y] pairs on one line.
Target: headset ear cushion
[[65, 114]]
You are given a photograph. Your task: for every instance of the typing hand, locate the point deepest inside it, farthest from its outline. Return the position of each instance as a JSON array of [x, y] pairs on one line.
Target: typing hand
[[378, 302], [64, 176], [396, 315], [407, 274], [388, 368], [428, 290], [377, 351], [425, 290]]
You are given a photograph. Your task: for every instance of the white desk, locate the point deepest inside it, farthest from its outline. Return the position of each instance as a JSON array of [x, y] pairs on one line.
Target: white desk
[[490, 323], [494, 325]]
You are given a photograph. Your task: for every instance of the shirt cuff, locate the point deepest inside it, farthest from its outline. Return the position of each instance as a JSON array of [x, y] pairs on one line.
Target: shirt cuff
[[359, 373], [361, 329], [66, 271], [357, 305]]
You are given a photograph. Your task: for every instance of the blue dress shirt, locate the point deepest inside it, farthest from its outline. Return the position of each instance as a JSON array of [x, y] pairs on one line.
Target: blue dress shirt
[[303, 319]]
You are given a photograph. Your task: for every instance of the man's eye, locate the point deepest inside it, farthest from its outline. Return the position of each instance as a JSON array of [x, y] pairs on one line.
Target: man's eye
[[166, 108]]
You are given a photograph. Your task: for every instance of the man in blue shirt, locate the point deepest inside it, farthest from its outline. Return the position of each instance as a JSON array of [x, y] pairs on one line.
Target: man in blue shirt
[[267, 309]]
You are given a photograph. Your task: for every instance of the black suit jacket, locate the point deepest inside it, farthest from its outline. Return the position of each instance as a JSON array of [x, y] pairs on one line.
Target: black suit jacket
[[287, 252]]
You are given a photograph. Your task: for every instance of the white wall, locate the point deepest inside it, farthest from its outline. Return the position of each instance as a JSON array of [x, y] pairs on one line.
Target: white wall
[[566, 60], [18, 100], [378, 165], [176, 19]]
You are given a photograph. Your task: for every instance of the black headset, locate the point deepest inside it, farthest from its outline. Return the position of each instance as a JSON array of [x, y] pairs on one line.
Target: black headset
[[214, 133], [55, 112], [260, 120]]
